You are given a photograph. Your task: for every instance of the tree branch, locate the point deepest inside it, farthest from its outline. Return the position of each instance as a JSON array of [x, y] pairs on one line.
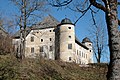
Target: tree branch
[[119, 22], [94, 22], [118, 3], [83, 13], [60, 4], [97, 5]]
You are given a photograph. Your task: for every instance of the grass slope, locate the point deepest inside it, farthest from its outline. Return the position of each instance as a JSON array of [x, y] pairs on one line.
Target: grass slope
[[39, 69]]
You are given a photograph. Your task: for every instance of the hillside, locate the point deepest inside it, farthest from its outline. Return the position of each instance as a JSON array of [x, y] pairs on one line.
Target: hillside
[[39, 69]]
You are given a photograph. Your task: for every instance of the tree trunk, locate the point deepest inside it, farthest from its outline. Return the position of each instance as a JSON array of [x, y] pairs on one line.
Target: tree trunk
[[99, 57], [24, 27], [113, 33]]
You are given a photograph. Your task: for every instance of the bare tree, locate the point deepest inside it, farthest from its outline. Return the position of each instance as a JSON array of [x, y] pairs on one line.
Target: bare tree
[[98, 37], [109, 7], [29, 12], [5, 39]]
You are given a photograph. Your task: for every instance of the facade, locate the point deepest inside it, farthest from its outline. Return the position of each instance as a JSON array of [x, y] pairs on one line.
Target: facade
[[52, 39]]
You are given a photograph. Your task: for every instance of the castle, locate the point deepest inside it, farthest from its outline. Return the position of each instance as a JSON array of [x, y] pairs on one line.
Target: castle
[[54, 40]]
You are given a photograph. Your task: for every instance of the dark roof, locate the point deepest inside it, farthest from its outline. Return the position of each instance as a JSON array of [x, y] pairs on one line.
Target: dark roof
[[17, 34], [3, 32], [79, 43], [1, 28], [47, 22], [86, 39], [66, 21]]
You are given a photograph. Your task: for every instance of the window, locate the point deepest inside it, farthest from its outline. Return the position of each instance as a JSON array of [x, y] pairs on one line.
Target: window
[[86, 55], [90, 45], [50, 39], [41, 40], [69, 27], [80, 62], [70, 58], [69, 46], [41, 49], [51, 48], [80, 53], [50, 30], [32, 39], [69, 36], [77, 52], [90, 50], [32, 49]]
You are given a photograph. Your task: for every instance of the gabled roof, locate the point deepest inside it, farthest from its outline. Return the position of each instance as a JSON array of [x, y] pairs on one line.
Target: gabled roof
[[47, 22]]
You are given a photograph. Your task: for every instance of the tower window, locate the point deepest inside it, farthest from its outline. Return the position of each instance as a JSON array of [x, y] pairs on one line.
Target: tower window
[[50, 39], [41, 49], [70, 58], [89, 44], [90, 50], [32, 39], [32, 49], [69, 46], [41, 40], [69, 36], [69, 27], [51, 48]]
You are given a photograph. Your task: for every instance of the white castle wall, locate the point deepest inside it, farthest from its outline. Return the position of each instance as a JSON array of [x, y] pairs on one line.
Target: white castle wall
[[90, 51], [82, 55], [45, 35], [67, 36]]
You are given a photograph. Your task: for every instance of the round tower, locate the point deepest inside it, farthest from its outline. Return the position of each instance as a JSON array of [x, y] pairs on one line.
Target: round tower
[[67, 40], [88, 43]]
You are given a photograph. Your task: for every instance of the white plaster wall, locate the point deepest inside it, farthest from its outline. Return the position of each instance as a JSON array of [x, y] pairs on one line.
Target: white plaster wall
[[65, 32], [81, 51], [44, 34], [90, 51]]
